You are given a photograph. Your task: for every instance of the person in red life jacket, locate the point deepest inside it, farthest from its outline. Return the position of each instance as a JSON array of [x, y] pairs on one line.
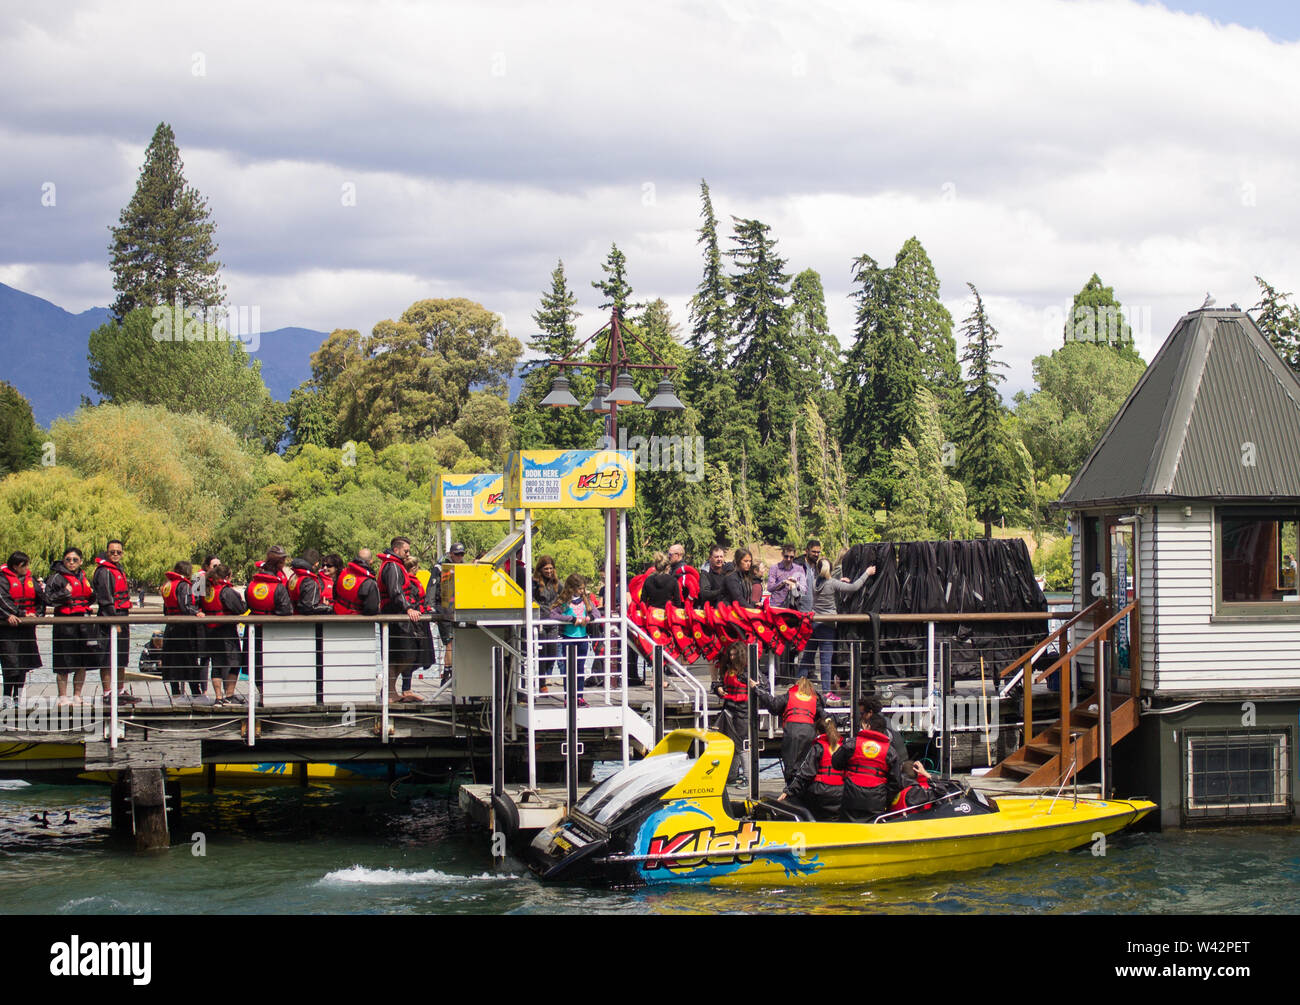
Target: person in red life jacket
[[733, 689], [355, 589], [22, 595], [69, 595], [800, 709], [180, 656], [267, 593], [741, 586], [306, 585], [198, 590], [330, 568], [415, 596], [917, 792], [873, 770], [221, 641], [817, 785], [113, 598], [687, 576], [402, 645]]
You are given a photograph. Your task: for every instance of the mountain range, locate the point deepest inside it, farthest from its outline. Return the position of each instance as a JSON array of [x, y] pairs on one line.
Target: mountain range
[[44, 352]]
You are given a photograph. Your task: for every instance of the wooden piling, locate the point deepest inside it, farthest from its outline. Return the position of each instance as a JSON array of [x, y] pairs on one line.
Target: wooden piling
[[149, 808]]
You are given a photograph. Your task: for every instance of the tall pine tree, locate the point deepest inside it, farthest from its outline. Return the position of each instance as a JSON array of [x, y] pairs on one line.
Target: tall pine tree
[[708, 308], [557, 338], [922, 316], [987, 461], [163, 250]]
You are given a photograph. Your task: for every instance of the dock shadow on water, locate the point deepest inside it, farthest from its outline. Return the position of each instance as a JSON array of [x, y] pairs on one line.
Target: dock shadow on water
[[369, 849]]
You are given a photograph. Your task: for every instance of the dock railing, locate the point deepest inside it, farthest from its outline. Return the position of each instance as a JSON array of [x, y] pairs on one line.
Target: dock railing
[[280, 663]]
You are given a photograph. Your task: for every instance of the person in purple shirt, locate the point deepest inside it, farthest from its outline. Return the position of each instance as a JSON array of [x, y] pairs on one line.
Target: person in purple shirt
[[786, 581]]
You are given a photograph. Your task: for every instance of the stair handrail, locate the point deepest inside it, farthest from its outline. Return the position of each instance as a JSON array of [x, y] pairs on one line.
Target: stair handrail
[[1096, 634], [1051, 638]]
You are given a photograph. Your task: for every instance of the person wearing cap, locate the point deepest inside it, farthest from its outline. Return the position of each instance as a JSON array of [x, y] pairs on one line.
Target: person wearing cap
[[445, 631], [151, 655]]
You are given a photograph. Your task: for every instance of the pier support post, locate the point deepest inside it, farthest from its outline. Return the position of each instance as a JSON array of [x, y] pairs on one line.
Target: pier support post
[[148, 808]]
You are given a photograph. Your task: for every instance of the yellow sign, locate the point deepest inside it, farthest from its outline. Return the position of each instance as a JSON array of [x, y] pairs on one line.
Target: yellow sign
[[470, 497], [571, 479]]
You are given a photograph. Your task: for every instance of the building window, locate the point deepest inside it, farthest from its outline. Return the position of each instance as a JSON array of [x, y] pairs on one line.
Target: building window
[[1236, 773], [1257, 553]]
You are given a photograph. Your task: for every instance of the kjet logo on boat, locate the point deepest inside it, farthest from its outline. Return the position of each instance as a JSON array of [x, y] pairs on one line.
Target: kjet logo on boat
[[102, 959]]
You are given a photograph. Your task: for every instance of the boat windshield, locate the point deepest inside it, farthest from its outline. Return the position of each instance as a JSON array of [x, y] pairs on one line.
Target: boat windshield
[[608, 799]]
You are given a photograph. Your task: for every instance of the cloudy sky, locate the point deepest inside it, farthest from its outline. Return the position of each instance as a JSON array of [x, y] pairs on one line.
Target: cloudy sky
[[358, 157]]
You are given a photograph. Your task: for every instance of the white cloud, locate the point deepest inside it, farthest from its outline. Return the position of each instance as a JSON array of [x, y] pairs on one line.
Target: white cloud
[[1027, 144]]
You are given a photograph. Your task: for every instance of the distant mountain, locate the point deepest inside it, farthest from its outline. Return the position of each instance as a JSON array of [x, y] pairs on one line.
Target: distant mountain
[[43, 349]]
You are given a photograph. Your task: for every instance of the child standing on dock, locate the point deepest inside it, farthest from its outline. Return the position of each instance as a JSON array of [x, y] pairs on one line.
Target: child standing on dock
[[574, 608]]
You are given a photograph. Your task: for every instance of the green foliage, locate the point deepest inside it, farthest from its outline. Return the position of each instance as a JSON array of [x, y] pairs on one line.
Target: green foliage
[[187, 468], [709, 311], [161, 358], [1280, 323], [1055, 562], [20, 438], [922, 317], [411, 378], [484, 425], [879, 382], [929, 501], [574, 556], [1080, 388], [44, 511], [988, 460], [1095, 317], [830, 514], [163, 251]]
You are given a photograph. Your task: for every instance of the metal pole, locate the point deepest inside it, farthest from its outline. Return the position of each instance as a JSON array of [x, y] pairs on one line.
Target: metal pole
[[945, 686], [571, 725], [526, 672], [855, 684], [753, 721], [622, 626], [929, 675], [112, 684], [498, 721], [659, 692], [1103, 718], [251, 636], [384, 678]]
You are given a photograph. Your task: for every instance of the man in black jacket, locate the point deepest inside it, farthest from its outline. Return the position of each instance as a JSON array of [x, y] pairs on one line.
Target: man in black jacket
[[113, 597], [403, 646], [712, 575]]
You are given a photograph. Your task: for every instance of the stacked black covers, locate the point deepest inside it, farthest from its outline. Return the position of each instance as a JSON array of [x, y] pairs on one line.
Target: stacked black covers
[[944, 577]]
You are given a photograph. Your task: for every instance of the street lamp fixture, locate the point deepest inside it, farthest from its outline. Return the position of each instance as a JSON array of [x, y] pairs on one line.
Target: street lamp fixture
[[560, 395]]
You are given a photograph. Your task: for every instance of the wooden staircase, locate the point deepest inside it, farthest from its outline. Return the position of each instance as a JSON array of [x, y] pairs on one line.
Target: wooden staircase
[[1040, 762], [1074, 740]]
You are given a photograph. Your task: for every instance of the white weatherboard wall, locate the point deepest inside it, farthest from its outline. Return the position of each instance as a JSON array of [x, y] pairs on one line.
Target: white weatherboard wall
[[1196, 654]]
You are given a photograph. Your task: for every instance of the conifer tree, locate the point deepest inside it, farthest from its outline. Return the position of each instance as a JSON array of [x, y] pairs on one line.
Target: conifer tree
[[914, 291], [816, 351], [881, 373], [1095, 316], [163, 250], [556, 338], [1280, 323], [986, 461], [708, 307]]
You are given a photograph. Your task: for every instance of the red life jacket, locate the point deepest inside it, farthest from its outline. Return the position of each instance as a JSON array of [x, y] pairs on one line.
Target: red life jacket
[[326, 589], [121, 588], [171, 604], [386, 559], [296, 586], [210, 602], [867, 768], [415, 594], [21, 591], [688, 579], [900, 801], [80, 595], [260, 595], [348, 587], [734, 688], [825, 773], [799, 711]]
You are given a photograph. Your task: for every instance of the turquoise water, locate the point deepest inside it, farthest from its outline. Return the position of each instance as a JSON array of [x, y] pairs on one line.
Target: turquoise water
[[362, 850]]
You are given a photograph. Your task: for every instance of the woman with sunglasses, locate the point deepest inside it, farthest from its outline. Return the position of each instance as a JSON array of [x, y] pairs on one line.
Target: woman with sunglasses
[[70, 594]]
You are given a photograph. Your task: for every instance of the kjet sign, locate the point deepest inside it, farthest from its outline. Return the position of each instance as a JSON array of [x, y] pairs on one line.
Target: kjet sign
[[102, 959]]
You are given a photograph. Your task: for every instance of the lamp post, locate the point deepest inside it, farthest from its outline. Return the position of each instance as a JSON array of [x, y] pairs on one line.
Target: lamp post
[[614, 387]]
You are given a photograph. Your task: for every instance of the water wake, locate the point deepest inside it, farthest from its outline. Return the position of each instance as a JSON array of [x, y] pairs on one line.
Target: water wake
[[359, 874]]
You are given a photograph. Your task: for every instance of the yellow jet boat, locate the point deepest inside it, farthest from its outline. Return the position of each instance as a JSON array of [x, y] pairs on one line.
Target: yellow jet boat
[[669, 819]]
